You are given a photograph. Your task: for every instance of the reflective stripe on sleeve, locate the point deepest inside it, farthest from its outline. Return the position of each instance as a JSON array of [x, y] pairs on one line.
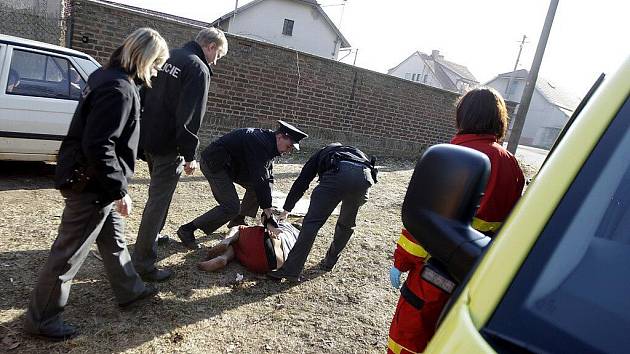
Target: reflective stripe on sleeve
[[397, 348], [485, 226], [412, 247]]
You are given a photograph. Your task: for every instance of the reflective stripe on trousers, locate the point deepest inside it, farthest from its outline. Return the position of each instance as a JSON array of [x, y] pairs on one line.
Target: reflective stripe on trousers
[[397, 348]]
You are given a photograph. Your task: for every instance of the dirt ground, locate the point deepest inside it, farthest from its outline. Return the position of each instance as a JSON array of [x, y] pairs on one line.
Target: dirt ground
[[347, 310]]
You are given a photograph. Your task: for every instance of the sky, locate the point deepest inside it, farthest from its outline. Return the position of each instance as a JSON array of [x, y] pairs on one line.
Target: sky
[[587, 36]]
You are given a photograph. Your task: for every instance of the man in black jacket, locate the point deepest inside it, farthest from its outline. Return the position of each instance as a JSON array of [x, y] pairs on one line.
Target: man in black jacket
[[173, 111], [345, 175], [243, 156]]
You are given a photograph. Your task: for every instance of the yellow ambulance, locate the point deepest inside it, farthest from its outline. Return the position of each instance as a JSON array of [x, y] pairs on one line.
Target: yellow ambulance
[[556, 279]]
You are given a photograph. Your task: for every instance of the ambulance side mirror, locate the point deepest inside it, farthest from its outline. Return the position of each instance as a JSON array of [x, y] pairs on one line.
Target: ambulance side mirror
[[441, 200]]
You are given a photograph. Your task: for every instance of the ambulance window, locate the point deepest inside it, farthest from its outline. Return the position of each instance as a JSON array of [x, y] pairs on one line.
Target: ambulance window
[[572, 294]]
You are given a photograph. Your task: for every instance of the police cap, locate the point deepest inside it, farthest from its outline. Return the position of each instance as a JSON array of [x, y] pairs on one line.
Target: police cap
[[294, 133]]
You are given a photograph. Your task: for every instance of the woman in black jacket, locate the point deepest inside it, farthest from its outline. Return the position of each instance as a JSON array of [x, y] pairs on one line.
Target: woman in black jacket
[[95, 161]]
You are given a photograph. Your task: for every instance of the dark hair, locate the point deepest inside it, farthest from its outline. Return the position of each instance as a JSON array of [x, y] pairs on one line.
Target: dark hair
[[114, 60], [482, 111]]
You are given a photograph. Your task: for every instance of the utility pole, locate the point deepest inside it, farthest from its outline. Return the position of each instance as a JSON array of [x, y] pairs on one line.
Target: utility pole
[[519, 120], [518, 58]]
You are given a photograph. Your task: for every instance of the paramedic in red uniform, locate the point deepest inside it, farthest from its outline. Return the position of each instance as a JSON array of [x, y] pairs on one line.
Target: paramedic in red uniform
[[481, 121]]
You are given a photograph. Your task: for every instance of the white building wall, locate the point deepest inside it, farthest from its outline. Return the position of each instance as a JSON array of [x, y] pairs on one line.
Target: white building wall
[[542, 117], [265, 21], [415, 69]]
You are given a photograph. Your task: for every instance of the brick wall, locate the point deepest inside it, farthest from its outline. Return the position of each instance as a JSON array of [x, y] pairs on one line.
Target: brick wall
[[258, 83]]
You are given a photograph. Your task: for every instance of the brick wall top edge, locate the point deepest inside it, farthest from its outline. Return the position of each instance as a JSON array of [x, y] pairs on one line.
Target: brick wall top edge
[[271, 45], [140, 13]]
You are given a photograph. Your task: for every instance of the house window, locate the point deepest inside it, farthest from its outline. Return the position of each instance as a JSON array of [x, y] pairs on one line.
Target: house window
[[512, 88], [288, 27], [413, 77]]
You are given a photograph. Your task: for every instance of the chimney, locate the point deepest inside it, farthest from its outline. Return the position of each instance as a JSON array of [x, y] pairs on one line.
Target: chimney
[[435, 54]]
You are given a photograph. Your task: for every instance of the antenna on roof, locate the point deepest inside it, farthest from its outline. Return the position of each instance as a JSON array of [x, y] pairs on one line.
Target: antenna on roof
[[233, 16], [518, 58], [343, 6]]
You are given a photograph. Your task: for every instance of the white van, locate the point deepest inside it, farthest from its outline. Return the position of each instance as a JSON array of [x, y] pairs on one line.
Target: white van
[[40, 86]]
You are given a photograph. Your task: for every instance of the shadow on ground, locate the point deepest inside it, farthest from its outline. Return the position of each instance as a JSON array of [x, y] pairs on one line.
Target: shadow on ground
[[26, 175], [93, 310]]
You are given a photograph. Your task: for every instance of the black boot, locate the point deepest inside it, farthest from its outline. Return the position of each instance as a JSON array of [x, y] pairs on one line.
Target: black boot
[[63, 332], [186, 234], [149, 292]]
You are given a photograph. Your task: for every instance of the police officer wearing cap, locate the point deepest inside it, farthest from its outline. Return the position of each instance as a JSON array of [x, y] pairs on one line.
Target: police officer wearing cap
[[345, 176], [243, 156]]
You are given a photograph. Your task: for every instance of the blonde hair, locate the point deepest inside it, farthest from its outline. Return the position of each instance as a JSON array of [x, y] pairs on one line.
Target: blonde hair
[[213, 35], [139, 53]]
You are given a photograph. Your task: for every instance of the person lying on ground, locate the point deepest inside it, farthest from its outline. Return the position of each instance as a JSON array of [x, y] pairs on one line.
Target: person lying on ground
[[258, 248]]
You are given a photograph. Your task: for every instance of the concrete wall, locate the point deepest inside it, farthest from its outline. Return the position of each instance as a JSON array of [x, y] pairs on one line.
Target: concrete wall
[[258, 83], [42, 21]]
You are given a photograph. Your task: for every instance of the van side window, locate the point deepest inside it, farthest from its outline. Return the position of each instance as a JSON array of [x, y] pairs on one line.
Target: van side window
[[40, 75], [572, 294]]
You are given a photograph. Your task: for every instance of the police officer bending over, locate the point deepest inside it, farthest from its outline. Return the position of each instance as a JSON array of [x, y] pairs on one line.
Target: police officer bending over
[[243, 156], [345, 175], [173, 110]]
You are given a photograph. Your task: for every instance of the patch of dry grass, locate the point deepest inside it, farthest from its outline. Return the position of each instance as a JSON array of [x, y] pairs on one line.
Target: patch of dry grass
[[347, 310]]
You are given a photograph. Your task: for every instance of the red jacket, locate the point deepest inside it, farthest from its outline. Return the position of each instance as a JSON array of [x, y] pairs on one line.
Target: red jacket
[[505, 184], [419, 305], [250, 249]]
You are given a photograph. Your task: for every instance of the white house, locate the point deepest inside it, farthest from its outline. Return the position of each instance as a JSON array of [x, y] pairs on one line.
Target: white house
[[434, 71], [549, 110], [298, 24]]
